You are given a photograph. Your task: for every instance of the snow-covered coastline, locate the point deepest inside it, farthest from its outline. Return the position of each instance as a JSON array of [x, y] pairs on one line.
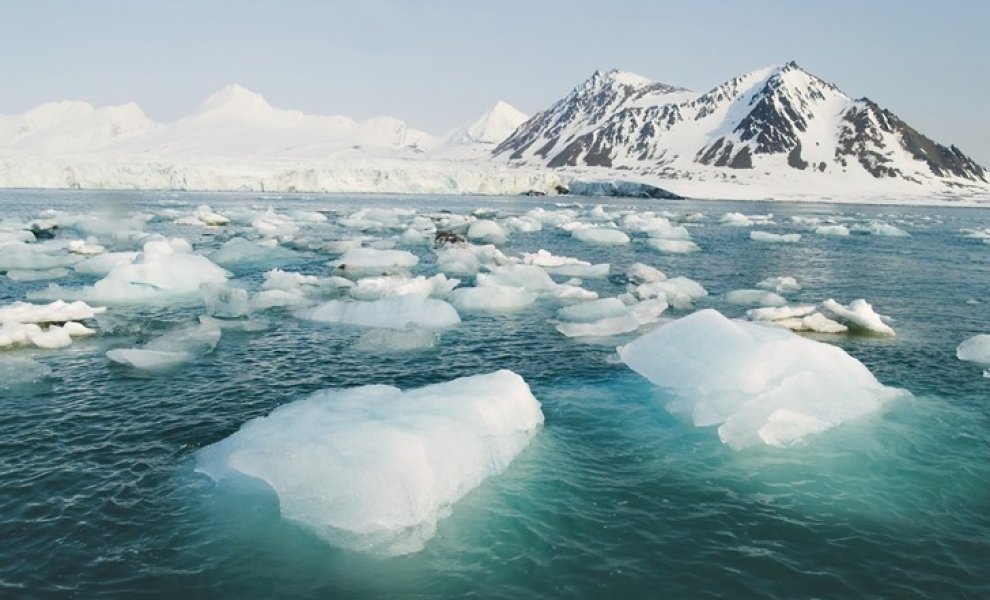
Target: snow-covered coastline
[[610, 128]]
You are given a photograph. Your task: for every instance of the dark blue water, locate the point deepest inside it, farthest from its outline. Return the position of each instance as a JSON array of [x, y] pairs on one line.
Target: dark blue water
[[614, 498]]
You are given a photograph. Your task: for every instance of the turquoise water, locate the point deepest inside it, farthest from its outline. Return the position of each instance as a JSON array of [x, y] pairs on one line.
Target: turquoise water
[[614, 498]]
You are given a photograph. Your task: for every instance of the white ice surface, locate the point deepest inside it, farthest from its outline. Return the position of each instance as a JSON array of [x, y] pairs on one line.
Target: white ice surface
[[374, 468], [758, 384]]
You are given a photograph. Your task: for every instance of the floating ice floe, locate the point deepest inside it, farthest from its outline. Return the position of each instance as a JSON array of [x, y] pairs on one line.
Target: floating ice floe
[[102, 264], [678, 292], [467, 259], [376, 288], [838, 230], [755, 298], [239, 251], [533, 279], [672, 246], [165, 271], [779, 238], [827, 317], [638, 273], [36, 275], [174, 348], [374, 468], [976, 350], [85, 247], [224, 301], [879, 228], [758, 384], [36, 256], [607, 317], [797, 318], [565, 265], [600, 236], [359, 262], [203, 216], [487, 232], [780, 285], [58, 311], [492, 298], [391, 313], [858, 316]]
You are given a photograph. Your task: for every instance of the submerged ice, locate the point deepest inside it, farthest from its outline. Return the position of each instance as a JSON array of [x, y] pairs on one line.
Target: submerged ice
[[758, 384], [374, 468]]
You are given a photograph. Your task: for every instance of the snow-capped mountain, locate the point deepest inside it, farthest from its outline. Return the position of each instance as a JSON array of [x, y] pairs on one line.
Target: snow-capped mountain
[[773, 121], [494, 126], [236, 122], [71, 126]]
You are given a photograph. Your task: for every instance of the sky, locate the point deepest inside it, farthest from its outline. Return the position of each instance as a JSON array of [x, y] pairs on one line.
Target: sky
[[439, 64]]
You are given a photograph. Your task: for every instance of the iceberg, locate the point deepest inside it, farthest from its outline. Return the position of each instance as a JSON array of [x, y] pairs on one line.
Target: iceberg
[[374, 468], [758, 384]]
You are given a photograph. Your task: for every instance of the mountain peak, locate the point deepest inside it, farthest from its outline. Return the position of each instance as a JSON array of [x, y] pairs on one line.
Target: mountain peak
[[496, 124], [233, 99]]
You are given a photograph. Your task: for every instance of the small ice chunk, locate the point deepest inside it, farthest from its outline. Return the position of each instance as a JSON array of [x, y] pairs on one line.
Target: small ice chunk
[[391, 313], [779, 238], [758, 384], [735, 219], [838, 230], [239, 251], [593, 311], [374, 468], [755, 298], [780, 285], [858, 316], [171, 349], [369, 261], [487, 232], [639, 273], [376, 288], [600, 236], [975, 349], [492, 298], [672, 246], [223, 301]]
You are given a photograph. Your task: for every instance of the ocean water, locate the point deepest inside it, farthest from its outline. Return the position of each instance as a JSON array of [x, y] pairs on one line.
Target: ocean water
[[615, 497]]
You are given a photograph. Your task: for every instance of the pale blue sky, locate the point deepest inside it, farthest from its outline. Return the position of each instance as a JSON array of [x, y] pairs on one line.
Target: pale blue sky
[[438, 64]]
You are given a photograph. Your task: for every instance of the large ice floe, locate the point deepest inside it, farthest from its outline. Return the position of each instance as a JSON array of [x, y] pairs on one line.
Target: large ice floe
[[164, 271], [374, 468], [47, 326], [758, 384]]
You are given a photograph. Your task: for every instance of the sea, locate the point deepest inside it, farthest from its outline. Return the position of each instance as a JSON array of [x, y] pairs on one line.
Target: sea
[[614, 497]]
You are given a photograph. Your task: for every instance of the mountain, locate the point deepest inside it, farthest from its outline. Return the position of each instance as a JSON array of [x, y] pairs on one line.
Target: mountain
[[71, 126], [771, 121], [236, 122], [493, 126]]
